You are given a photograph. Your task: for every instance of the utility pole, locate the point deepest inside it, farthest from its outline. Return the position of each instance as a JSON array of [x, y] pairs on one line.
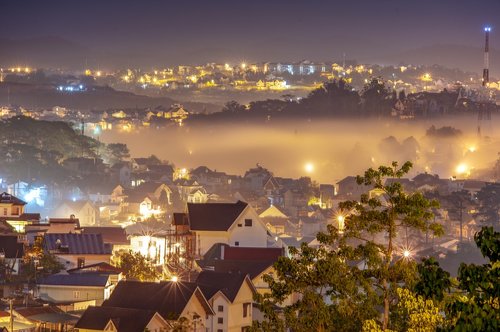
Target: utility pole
[[11, 316]]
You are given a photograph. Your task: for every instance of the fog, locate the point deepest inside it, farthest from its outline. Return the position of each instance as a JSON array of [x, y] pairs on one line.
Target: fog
[[324, 150]]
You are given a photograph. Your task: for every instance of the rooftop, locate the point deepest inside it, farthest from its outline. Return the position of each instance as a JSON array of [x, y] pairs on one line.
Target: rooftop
[[214, 216]]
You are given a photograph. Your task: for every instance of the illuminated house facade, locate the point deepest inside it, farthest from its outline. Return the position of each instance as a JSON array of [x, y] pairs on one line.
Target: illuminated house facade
[[11, 206], [236, 224]]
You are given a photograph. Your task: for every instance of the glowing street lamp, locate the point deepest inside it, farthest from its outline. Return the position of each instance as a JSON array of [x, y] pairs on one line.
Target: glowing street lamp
[[341, 223], [309, 167]]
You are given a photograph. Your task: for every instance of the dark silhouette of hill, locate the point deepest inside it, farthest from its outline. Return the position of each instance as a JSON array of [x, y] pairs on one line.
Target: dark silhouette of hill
[[467, 58], [45, 96], [53, 52]]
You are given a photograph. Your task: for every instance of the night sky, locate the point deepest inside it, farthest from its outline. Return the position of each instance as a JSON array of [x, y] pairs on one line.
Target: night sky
[[169, 32]]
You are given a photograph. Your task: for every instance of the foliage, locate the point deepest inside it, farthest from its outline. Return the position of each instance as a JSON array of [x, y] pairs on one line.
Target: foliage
[[117, 152], [479, 308], [443, 132], [488, 199], [413, 313], [384, 214], [39, 263], [136, 266], [376, 98], [433, 281], [340, 284], [333, 294], [335, 97]]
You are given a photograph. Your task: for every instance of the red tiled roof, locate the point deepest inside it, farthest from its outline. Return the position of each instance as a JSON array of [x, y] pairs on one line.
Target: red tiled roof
[[250, 254]]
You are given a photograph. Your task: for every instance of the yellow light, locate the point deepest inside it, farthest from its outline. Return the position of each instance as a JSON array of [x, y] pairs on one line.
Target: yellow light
[[309, 167], [472, 149], [462, 169], [426, 77], [243, 65], [406, 253], [98, 73], [175, 278]]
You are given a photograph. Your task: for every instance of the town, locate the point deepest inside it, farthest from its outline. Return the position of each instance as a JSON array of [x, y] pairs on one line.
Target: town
[[249, 166]]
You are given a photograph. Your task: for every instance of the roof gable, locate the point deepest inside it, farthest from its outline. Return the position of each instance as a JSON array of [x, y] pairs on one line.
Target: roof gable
[[214, 216], [167, 298]]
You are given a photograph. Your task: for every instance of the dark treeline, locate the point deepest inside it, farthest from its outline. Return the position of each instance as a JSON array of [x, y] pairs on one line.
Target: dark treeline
[[337, 98]]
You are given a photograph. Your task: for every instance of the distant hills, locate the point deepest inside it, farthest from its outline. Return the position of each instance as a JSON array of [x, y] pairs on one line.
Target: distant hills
[[467, 58], [98, 98]]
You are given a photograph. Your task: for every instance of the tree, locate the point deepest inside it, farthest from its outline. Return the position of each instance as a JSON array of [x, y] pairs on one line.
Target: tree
[[376, 98], [117, 152], [413, 313], [37, 262], [488, 199], [375, 221], [342, 282], [478, 308], [334, 97], [233, 107], [433, 281], [136, 266]]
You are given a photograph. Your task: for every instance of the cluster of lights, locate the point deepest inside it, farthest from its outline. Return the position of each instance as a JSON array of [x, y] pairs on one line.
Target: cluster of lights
[[71, 88]]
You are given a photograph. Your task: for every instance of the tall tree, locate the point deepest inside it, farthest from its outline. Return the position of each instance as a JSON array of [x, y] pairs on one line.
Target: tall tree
[[354, 269], [136, 266], [376, 220]]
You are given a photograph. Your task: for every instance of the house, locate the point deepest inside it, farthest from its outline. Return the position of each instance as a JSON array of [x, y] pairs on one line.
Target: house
[[11, 253], [235, 224], [256, 178], [63, 225], [77, 250], [172, 300], [348, 187], [120, 173], [231, 297], [116, 237], [22, 222], [120, 319], [83, 210], [326, 195], [47, 317], [11, 206], [75, 287]]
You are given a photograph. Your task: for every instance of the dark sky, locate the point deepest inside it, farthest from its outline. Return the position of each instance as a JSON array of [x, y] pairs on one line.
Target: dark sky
[[197, 31]]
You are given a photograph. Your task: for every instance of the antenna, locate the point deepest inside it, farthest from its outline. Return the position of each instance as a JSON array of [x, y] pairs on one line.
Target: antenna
[[486, 70]]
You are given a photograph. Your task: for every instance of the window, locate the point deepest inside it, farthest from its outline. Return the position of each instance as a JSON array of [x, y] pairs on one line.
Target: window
[[76, 294], [246, 309], [4, 211], [248, 222], [220, 308], [220, 320], [240, 225], [237, 243], [80, 262], [220, 330]]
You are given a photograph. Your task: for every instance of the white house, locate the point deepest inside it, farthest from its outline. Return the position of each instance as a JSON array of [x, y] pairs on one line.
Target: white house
[[231, 297], [82, 210], [235, 224]]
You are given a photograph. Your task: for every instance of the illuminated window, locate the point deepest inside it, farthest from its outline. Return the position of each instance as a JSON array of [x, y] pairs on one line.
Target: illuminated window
[[76, 294], [80, 262]]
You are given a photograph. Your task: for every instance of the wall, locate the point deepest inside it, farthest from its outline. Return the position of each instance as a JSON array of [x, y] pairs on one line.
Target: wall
[[55, 293]]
